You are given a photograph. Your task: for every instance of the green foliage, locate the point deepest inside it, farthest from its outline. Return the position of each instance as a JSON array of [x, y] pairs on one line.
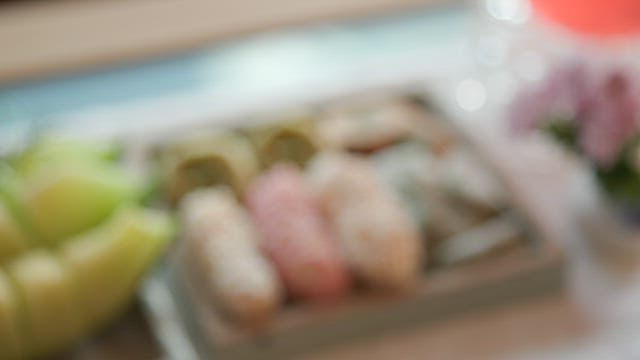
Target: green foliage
[[622, 180], [564, 131]]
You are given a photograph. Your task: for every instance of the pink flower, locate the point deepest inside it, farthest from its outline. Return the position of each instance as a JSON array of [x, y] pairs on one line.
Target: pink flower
[[604, 107], [565, 92], [611, 120], [528, 110]]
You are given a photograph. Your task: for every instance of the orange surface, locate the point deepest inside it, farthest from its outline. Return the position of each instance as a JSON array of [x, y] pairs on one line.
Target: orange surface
[[594, 17]]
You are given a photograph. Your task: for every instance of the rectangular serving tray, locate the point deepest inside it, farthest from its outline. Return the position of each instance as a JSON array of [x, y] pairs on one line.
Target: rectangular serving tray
[[188, 326]]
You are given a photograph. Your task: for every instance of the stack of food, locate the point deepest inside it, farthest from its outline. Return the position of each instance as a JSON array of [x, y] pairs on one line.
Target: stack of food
[[74, 242], [362, 197]]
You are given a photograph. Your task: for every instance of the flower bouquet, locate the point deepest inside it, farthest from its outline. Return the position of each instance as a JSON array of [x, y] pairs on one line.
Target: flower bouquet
[[593, 110]]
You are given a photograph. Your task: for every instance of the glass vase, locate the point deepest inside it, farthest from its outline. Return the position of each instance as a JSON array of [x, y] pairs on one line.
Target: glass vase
[[604, 255]]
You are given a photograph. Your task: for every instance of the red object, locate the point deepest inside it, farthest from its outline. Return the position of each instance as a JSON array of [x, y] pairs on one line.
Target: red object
[[593, 17], [294, 235]]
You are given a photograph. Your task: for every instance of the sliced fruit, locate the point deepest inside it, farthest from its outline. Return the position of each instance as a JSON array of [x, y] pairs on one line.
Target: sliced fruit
[[55, 151], [12, 336], [108, 261], [11, 195], [53, 316], [13, 240], [11, 188], [63, 201]]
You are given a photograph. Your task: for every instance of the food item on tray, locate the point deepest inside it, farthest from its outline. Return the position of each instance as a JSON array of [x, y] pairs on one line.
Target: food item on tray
[[412, 170], [380, 240], [13, 239], [208, 159], [409, 168], [465, 176], [285, 141], [224, 246], [12, 332], [107, 262], [53, 314], [295, 236], [434, 131], [369, 128], [375, 125], [491, 235], [446, 192]]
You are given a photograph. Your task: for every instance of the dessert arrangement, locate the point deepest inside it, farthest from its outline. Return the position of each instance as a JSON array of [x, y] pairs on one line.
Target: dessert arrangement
[[361, 214], [373, 207], [74, 244]]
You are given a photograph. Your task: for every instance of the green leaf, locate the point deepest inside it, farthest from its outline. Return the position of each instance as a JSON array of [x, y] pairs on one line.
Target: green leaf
[[563, 130], [622, 180]]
